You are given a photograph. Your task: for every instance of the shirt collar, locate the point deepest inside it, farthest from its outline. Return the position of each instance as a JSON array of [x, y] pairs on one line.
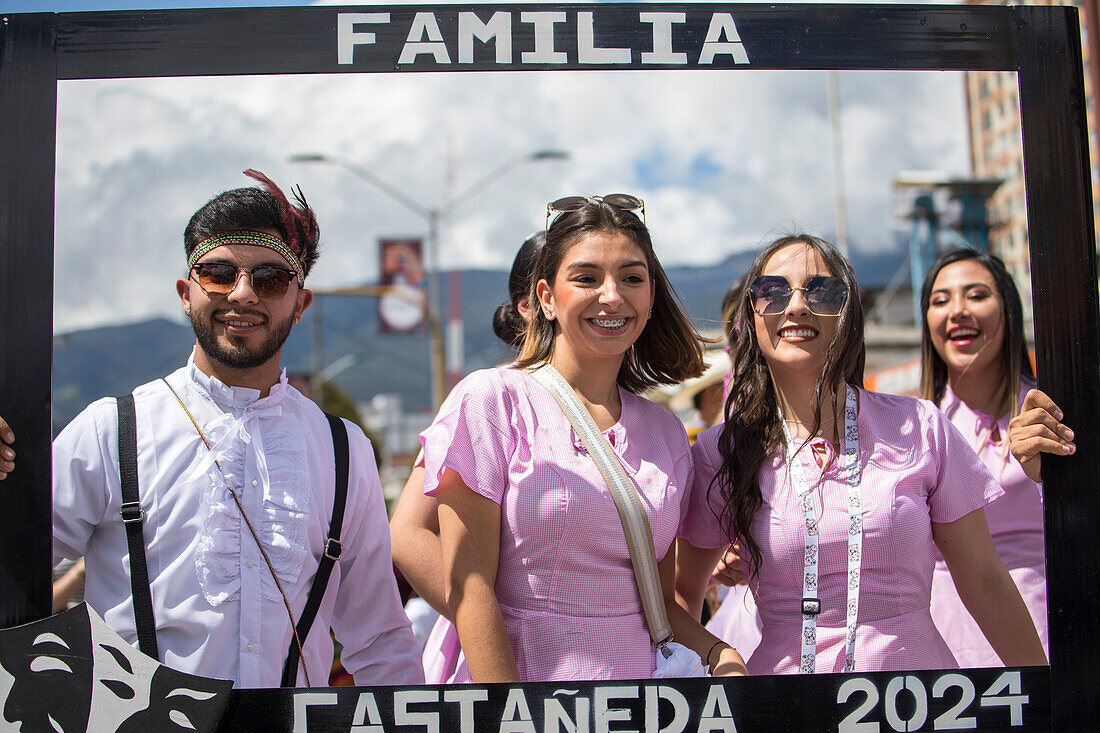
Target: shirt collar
[[980, 421], [950, 403], [235, 397]]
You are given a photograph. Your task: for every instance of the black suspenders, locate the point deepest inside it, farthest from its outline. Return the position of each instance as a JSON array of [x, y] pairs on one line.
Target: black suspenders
[[133, 516], [332, 550]]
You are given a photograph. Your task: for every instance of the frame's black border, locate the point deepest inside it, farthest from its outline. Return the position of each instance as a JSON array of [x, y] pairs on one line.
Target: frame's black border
[[1042, 44]]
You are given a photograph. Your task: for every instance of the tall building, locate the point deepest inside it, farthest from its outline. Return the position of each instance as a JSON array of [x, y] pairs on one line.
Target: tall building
[[996, 149]]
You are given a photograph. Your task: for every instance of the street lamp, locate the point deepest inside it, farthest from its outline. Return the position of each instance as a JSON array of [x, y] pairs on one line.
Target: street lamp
[[433, 215]]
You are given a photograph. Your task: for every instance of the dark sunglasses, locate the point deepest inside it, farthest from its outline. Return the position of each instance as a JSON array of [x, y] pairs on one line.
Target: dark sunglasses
[[621, 201], [217, 278], [769, 295]]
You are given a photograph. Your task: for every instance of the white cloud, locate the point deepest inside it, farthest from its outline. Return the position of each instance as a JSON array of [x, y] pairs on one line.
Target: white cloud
[[723, 159]]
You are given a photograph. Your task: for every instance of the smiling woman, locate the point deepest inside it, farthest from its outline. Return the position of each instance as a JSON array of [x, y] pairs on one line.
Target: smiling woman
[[538, 572], [821, 482], [976, 367]]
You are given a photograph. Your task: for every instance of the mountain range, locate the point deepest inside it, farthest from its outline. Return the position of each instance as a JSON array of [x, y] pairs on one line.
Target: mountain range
[[112, 360]]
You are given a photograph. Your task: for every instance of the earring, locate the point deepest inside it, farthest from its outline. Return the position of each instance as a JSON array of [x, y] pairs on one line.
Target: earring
[[549, 314]]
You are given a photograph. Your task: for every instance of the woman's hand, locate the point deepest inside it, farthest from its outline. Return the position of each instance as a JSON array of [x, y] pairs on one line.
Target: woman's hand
[[684, 577], [727, 662], [1037, 430], [729, 571]]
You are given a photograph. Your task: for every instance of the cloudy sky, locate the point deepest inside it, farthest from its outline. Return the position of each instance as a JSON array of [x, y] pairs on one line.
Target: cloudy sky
[[724, 161]]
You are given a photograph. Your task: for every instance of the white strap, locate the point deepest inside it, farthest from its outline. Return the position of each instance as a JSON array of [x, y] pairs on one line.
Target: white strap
[[639, 538], [811, 602]]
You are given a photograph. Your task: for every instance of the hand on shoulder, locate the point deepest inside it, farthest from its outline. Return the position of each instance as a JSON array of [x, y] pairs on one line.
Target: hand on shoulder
[[1037, 430]]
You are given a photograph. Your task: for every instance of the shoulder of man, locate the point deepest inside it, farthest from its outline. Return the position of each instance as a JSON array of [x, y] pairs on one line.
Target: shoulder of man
[[102, 413]]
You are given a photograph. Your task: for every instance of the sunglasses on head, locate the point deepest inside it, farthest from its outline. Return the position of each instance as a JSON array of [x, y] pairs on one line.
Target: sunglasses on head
[[769, 295], [219, 278], [621, 201]]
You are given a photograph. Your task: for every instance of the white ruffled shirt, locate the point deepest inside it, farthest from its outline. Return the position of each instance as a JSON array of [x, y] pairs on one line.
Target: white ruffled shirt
[[218, 612]]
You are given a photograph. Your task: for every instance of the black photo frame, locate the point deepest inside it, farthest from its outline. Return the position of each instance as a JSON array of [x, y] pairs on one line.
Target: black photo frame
[[1042, 45]]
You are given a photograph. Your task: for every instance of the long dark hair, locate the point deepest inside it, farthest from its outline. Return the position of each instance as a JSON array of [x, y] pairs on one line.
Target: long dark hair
[[1014, 359], [753, 427], [668, 351], [508, 324]]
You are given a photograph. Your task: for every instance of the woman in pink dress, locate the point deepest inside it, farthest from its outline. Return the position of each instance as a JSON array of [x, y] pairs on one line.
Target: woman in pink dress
[[837, 495], [537, 572], [975, 366]]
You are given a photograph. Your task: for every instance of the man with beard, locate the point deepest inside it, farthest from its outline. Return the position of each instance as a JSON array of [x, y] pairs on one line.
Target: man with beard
[[239, 479]]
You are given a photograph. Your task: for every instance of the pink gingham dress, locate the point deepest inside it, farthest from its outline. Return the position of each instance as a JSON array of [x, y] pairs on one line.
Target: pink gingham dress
[[917, 469], [564, 581], [1016, 523]]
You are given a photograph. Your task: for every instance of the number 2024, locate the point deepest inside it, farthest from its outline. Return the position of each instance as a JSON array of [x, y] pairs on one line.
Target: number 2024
[[1005, 692]]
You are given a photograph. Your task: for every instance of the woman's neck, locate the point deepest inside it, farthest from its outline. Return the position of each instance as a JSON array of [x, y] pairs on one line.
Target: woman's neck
[[595, 382], [795, 396], [982, 390]]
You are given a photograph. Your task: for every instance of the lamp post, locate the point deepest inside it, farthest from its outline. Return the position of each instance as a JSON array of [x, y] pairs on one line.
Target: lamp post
[[434, 216]]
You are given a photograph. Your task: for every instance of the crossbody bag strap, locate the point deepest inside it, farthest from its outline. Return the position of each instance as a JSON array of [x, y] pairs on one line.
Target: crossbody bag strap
[[133, 517], [332, 552], [639, 537]]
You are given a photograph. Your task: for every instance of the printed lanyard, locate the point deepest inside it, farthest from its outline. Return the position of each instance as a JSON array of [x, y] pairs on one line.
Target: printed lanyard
[[811, 603]]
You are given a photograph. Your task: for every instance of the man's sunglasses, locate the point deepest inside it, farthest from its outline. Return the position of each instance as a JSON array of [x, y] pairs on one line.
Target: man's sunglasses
[[217, 278], [621, 201], [769, 295]]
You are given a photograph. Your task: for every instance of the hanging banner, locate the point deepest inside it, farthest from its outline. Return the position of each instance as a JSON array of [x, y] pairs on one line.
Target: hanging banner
[[401, 308]]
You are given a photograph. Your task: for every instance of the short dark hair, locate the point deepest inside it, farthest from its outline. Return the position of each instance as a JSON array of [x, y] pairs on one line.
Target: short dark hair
[[668, 351], [255, 208], [508, 324], [1014, 359]]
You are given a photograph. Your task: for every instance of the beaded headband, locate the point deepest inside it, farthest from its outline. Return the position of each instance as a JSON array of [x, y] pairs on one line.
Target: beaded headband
[[256, 239]]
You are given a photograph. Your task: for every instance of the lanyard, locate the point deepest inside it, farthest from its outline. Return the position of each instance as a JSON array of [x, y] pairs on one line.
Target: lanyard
[[811, 603]]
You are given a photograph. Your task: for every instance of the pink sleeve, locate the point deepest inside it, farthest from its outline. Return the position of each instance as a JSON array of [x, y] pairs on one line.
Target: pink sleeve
[[472, 435], [964, 483], [701, 526]]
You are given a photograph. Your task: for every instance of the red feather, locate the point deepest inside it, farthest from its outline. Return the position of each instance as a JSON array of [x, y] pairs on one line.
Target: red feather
[[291, 217]]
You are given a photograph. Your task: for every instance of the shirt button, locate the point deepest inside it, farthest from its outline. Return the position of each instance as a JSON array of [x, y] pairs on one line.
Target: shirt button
[[249, 647], [249, 563], [253, 482], [248, 410]]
